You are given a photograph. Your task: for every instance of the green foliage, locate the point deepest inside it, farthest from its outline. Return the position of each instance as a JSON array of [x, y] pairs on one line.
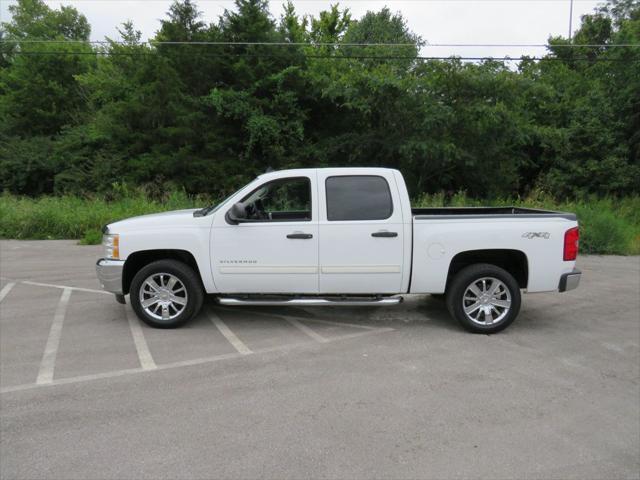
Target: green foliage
[[75, 119], [32, 19], [608, 226], [607, 233], [26, 164], [91, 237], [38, 93], [75, 217]]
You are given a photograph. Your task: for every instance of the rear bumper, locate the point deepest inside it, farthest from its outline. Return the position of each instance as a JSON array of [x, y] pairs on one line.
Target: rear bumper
[[569, 281], [110, 274]]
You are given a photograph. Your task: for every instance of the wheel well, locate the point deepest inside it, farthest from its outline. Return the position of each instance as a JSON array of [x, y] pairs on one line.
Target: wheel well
[[513, 261], [137, 260]]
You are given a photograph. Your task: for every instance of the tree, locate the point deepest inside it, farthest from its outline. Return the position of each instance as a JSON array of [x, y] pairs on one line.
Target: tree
[[38, 91], [314, 91], [34, 20]]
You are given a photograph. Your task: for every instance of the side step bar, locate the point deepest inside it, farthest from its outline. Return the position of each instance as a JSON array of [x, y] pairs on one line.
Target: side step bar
[[311, 302]]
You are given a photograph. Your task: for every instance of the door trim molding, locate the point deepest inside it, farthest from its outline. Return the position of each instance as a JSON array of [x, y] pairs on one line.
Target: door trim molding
[[361, 269], [268, 269]]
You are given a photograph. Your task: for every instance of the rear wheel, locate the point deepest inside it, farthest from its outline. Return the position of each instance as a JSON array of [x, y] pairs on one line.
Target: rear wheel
[[484, 298], [166, 294]]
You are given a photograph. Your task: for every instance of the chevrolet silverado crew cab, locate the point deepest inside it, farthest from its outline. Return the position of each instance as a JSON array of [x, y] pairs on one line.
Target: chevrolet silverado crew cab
[[337, 236]]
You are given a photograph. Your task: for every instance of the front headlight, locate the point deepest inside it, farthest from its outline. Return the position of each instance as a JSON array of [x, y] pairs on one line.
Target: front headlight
[[111, 244]]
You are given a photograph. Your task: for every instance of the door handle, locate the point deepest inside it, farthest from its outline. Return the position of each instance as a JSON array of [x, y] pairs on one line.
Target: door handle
[[301, 236], [384, 233]]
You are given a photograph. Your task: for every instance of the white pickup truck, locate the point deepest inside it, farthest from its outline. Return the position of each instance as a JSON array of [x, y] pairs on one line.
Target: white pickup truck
[[337, 236]]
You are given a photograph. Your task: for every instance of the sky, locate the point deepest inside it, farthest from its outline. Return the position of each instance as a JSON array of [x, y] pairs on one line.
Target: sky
[[436, 21]]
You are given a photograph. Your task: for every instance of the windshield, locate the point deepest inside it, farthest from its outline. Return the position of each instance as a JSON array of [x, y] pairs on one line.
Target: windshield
[[214, 208]]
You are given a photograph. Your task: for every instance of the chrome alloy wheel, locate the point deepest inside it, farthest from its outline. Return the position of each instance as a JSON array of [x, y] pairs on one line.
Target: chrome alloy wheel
[[486, 301], [163, 296]]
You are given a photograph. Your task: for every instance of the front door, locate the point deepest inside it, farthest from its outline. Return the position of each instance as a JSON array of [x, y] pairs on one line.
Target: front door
[[361, 234], [276, 249]]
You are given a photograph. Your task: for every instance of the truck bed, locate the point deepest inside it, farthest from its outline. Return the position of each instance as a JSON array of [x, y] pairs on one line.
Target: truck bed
[[486, 212]]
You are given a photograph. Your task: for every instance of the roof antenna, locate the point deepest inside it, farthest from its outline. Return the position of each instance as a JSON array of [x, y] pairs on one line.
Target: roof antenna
[[269, 170]]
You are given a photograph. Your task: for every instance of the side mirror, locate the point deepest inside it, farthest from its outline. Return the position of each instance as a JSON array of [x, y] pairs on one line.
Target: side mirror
[[237, 213]]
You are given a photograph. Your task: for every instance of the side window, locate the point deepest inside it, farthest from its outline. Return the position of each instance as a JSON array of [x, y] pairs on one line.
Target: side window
[[287, 199], [358, 197]]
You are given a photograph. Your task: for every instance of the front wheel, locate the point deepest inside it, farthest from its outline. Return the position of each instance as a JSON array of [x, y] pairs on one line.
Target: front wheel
[[166, 294], [484, 298]]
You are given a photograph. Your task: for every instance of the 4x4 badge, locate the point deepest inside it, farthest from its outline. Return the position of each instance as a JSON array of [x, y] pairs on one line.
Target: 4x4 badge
[[531, 235]]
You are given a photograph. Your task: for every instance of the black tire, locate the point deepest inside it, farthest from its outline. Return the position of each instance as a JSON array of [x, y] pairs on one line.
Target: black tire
[[463, 279], [186, 275]]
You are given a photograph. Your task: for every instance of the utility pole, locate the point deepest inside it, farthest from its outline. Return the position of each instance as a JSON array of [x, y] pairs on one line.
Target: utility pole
[[570, 17]]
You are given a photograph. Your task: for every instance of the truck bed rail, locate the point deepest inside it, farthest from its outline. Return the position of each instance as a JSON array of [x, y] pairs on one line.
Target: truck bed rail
[[486, 212]]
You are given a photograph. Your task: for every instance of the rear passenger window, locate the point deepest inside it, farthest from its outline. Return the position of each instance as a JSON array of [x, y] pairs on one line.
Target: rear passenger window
[[358, 197]]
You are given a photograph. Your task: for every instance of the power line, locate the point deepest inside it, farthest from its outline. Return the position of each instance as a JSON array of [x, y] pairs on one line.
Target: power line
[[332, 57], [344, 1], [329, 44], [386, 1], [533, 45], [277, 44]]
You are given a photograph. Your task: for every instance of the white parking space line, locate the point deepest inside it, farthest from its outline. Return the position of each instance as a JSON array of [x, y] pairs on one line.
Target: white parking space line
[[147, 363], [79, 289], [313, 319], [343, 324], [361, 334], [6, 289], [180, 364], [229, 335], [48, 363], [144, 354], [308, 331]]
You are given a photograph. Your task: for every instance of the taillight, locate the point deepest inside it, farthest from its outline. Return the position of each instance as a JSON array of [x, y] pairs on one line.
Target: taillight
[[571, 240]]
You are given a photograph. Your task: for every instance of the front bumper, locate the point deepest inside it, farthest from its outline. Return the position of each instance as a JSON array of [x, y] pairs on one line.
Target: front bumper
[[110, 274], [569, 281]]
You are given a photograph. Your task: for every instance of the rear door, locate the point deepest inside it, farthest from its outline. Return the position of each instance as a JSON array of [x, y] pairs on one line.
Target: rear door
[[361, 233]]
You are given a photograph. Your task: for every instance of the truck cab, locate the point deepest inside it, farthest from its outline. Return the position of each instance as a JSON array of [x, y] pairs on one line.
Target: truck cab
[[314, 232]]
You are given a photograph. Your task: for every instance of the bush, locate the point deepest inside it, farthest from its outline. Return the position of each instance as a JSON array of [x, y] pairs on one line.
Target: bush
[[75, 217], [91, 237], [603, 232], [608, 225]]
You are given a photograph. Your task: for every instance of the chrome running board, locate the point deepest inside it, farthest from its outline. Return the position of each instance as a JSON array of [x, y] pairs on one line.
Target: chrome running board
[[311, 302]]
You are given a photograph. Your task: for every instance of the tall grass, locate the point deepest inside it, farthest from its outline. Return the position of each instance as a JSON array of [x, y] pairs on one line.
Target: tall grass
[[608, 225], [75, 217]]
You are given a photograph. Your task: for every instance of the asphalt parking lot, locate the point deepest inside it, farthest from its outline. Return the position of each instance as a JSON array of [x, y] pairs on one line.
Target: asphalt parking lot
[[87, 391]]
